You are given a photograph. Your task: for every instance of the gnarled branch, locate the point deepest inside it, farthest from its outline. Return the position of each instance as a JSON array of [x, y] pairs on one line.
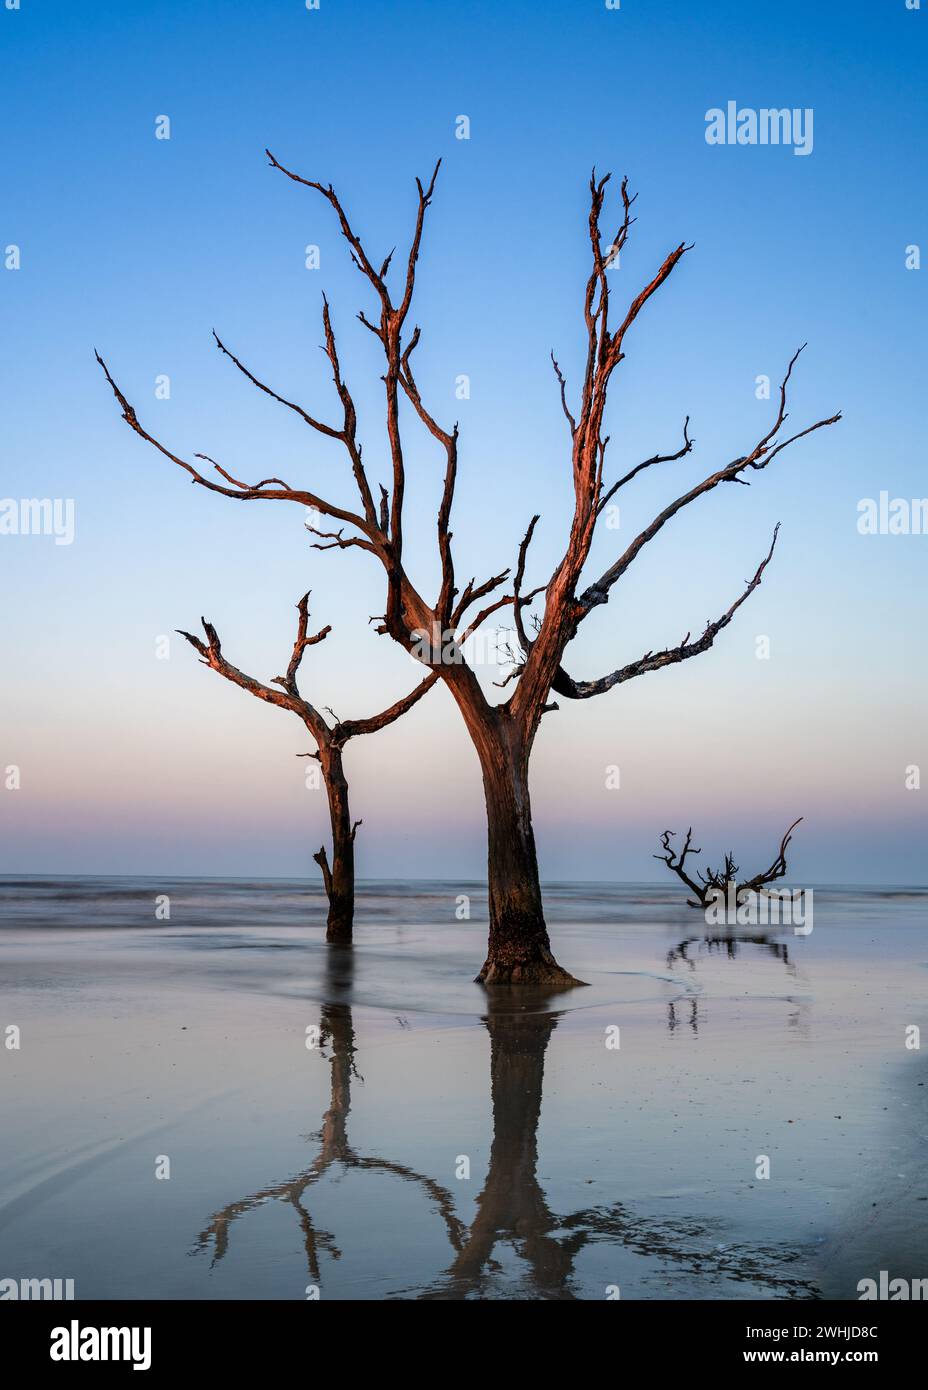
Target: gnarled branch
[[289, 696], [350, 728], [707, 887], [241, 492], [653, 661], [759, 457], [648, 463]]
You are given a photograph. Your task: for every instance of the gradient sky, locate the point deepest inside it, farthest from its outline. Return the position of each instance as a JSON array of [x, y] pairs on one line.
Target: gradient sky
[[141, 246]]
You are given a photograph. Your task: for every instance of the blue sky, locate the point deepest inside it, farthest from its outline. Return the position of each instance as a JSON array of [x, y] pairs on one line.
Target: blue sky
[[141, 246]]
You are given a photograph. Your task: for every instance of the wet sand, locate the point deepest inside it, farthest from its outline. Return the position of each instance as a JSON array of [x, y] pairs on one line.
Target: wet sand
[[435, 1141]]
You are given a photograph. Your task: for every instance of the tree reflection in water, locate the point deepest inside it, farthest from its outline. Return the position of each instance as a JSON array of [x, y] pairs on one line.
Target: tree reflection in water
[[337, 1035], [729, 945], [512, 1208]]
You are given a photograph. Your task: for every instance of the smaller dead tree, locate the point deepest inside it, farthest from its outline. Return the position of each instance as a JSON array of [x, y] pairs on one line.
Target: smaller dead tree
[[330, 739], [709, 886]]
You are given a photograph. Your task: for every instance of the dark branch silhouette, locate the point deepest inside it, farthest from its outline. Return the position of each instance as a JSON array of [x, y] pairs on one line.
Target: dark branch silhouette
[[706, 887]]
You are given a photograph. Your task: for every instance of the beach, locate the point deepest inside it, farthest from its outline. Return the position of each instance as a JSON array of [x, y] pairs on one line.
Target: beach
[[214, 1105]]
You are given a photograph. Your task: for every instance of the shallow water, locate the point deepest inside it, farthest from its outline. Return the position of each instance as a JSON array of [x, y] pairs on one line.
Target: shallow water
[[373, 1124]]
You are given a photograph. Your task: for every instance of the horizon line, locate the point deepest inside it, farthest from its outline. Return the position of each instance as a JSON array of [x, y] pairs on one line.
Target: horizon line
[[6, 875]]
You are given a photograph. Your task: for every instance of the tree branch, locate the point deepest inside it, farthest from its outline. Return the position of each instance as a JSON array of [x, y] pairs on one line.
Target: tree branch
[[564, 406], [653, 661], [289, 697], [321, 859], [759, 457], [302, 642], [676, 863], [241, 492], [604, 353], [359, 256], [449, 442], [518, 602], [351, 728], [656, 458], [392, 318], [328, 430], [472, 593]]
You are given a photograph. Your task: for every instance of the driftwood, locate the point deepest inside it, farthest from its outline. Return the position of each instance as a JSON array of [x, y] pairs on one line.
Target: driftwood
[[709, 886]]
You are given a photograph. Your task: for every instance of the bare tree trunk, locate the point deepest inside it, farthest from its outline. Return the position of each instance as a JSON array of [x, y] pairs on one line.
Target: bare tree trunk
[[519, 950], [339, 876]]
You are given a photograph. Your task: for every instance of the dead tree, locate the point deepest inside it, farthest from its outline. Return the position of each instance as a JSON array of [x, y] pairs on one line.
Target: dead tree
[[338, 877], [434, 630], [709, 886]]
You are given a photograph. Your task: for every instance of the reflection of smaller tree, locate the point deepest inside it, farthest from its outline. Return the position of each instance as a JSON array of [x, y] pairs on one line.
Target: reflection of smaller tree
[[337, 1034]]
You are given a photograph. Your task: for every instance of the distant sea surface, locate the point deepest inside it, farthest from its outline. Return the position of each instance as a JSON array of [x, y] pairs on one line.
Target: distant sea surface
[[100, 901]]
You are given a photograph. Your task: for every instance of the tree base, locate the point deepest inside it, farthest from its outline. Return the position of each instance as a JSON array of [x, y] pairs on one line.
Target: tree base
[[527, 972], [339, 930]]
